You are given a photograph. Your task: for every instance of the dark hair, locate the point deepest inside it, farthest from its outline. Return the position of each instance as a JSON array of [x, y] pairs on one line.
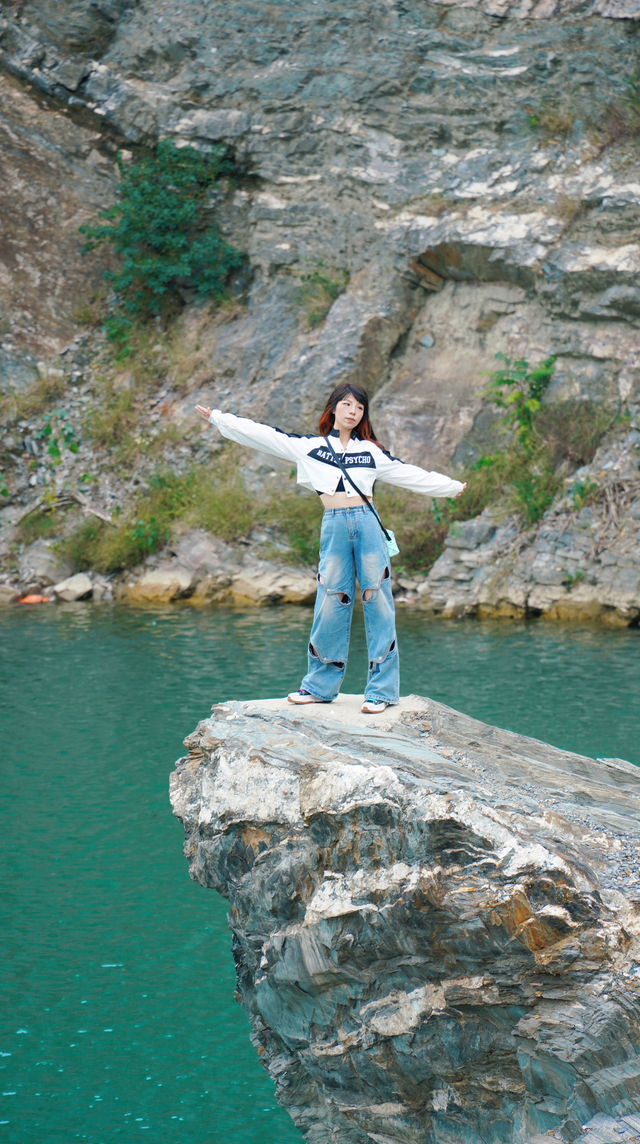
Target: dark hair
[[365, 429]]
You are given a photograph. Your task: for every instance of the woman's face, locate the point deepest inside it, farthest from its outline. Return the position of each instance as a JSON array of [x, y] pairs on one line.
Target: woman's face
[[348, 413]]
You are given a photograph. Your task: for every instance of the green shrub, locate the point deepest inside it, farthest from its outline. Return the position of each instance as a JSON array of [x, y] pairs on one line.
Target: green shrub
[[163, 236], [419, 530], [219, 502], [196, 499], [583, 493], [518, 388], [103, 547], [534, 490]]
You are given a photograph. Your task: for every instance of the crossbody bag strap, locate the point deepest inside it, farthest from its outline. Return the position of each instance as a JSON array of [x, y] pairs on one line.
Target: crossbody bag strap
[[351, 481]]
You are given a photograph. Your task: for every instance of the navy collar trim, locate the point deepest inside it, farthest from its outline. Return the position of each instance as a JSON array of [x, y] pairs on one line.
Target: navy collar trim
[[336, 433]]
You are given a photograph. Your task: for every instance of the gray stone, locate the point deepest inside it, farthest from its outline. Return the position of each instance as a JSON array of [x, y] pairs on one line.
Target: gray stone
[[226, 123], [78, 587], [435, 921], [42, 564], [471, 533], [264, 583]]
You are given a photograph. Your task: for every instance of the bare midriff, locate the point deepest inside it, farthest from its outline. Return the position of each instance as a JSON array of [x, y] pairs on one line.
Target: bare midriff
[[340, 500]]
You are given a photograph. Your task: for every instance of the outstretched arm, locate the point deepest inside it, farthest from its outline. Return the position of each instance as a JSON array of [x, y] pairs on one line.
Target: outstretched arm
[[417, 480], [252, 433]]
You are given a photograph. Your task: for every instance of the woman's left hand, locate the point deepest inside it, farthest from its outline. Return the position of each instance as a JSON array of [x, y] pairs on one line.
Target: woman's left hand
[[461, 490]]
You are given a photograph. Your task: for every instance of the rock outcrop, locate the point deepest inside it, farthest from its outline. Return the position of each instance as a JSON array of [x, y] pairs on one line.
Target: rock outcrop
[[471, 166], [204, 570], [467, 171], [582, 563], [435, 923]]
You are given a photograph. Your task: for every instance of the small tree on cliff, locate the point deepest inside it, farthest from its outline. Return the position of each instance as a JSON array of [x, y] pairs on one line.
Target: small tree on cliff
[[162, 232]]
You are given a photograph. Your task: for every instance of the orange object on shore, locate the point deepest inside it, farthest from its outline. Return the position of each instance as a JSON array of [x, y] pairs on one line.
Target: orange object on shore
[[34, 600]]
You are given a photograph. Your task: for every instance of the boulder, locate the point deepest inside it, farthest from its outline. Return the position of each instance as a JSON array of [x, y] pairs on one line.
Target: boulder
[[265, 583], [435, 922], [78, 587], [171, 581]]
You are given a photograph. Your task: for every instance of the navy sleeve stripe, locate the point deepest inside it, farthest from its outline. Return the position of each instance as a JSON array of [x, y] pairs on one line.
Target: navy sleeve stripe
[[299, 436]]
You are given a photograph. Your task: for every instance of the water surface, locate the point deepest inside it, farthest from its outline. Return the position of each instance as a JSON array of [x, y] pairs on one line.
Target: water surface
[[118, 1012]]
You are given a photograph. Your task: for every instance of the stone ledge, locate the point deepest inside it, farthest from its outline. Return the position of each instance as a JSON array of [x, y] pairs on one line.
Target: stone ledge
[[436, 922]]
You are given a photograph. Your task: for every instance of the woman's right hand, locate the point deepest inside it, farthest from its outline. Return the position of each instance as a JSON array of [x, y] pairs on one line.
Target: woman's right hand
[[203, 411]]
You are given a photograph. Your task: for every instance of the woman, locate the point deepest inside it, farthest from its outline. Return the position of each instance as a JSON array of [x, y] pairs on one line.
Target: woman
[[352, 543]]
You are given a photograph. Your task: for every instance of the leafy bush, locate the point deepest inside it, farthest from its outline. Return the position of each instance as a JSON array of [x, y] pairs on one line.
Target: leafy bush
[[518, 389], [59, 435], [162, 233]]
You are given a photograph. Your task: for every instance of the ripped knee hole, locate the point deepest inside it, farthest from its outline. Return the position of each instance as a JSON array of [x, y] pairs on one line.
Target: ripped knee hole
[[334, 662], [369, 592], [343, 597], [374, 663]]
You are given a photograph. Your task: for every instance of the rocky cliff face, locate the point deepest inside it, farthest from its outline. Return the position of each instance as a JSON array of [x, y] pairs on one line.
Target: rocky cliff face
[[435, 923], [472, 167]]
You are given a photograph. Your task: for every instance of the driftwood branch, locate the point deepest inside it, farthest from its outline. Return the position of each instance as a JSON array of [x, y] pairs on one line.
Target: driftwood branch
[[64, 500]]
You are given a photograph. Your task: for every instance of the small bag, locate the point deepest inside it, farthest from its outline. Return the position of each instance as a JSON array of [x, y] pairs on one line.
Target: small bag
[[390, 540], [392, 544]]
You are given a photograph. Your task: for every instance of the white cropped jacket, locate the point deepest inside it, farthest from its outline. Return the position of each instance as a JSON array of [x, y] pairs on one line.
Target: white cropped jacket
[[316, 465]]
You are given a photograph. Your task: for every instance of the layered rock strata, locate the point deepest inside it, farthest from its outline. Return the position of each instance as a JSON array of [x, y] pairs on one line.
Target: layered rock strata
[[480, 152], [468, 170], [435, 923]]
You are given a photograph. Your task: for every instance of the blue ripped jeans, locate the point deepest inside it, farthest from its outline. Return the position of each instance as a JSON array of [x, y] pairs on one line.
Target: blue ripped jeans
[[352, 544]]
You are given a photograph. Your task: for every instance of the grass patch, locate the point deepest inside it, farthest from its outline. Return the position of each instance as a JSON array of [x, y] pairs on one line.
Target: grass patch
[[195, 499], [39, 525], [318, 290], [36, 398], [114, 422], [552, 121]]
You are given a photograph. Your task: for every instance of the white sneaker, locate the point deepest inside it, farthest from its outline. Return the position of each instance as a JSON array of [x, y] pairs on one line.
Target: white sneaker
[[302, 696], [371, 707]]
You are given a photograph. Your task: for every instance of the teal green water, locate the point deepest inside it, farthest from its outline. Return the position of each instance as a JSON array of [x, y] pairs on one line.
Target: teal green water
[[117, 1016]]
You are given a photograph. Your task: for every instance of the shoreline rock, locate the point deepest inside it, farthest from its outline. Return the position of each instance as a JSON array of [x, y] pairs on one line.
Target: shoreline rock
[[581, 563], [435, 922]]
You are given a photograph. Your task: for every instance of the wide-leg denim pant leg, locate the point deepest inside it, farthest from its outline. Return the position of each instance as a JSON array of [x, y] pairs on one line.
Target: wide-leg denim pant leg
[[374, 577], [351, 541], [329, 639]]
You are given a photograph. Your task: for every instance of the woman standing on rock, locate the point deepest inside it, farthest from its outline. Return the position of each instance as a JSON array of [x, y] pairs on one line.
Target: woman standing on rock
[[341, 463]]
